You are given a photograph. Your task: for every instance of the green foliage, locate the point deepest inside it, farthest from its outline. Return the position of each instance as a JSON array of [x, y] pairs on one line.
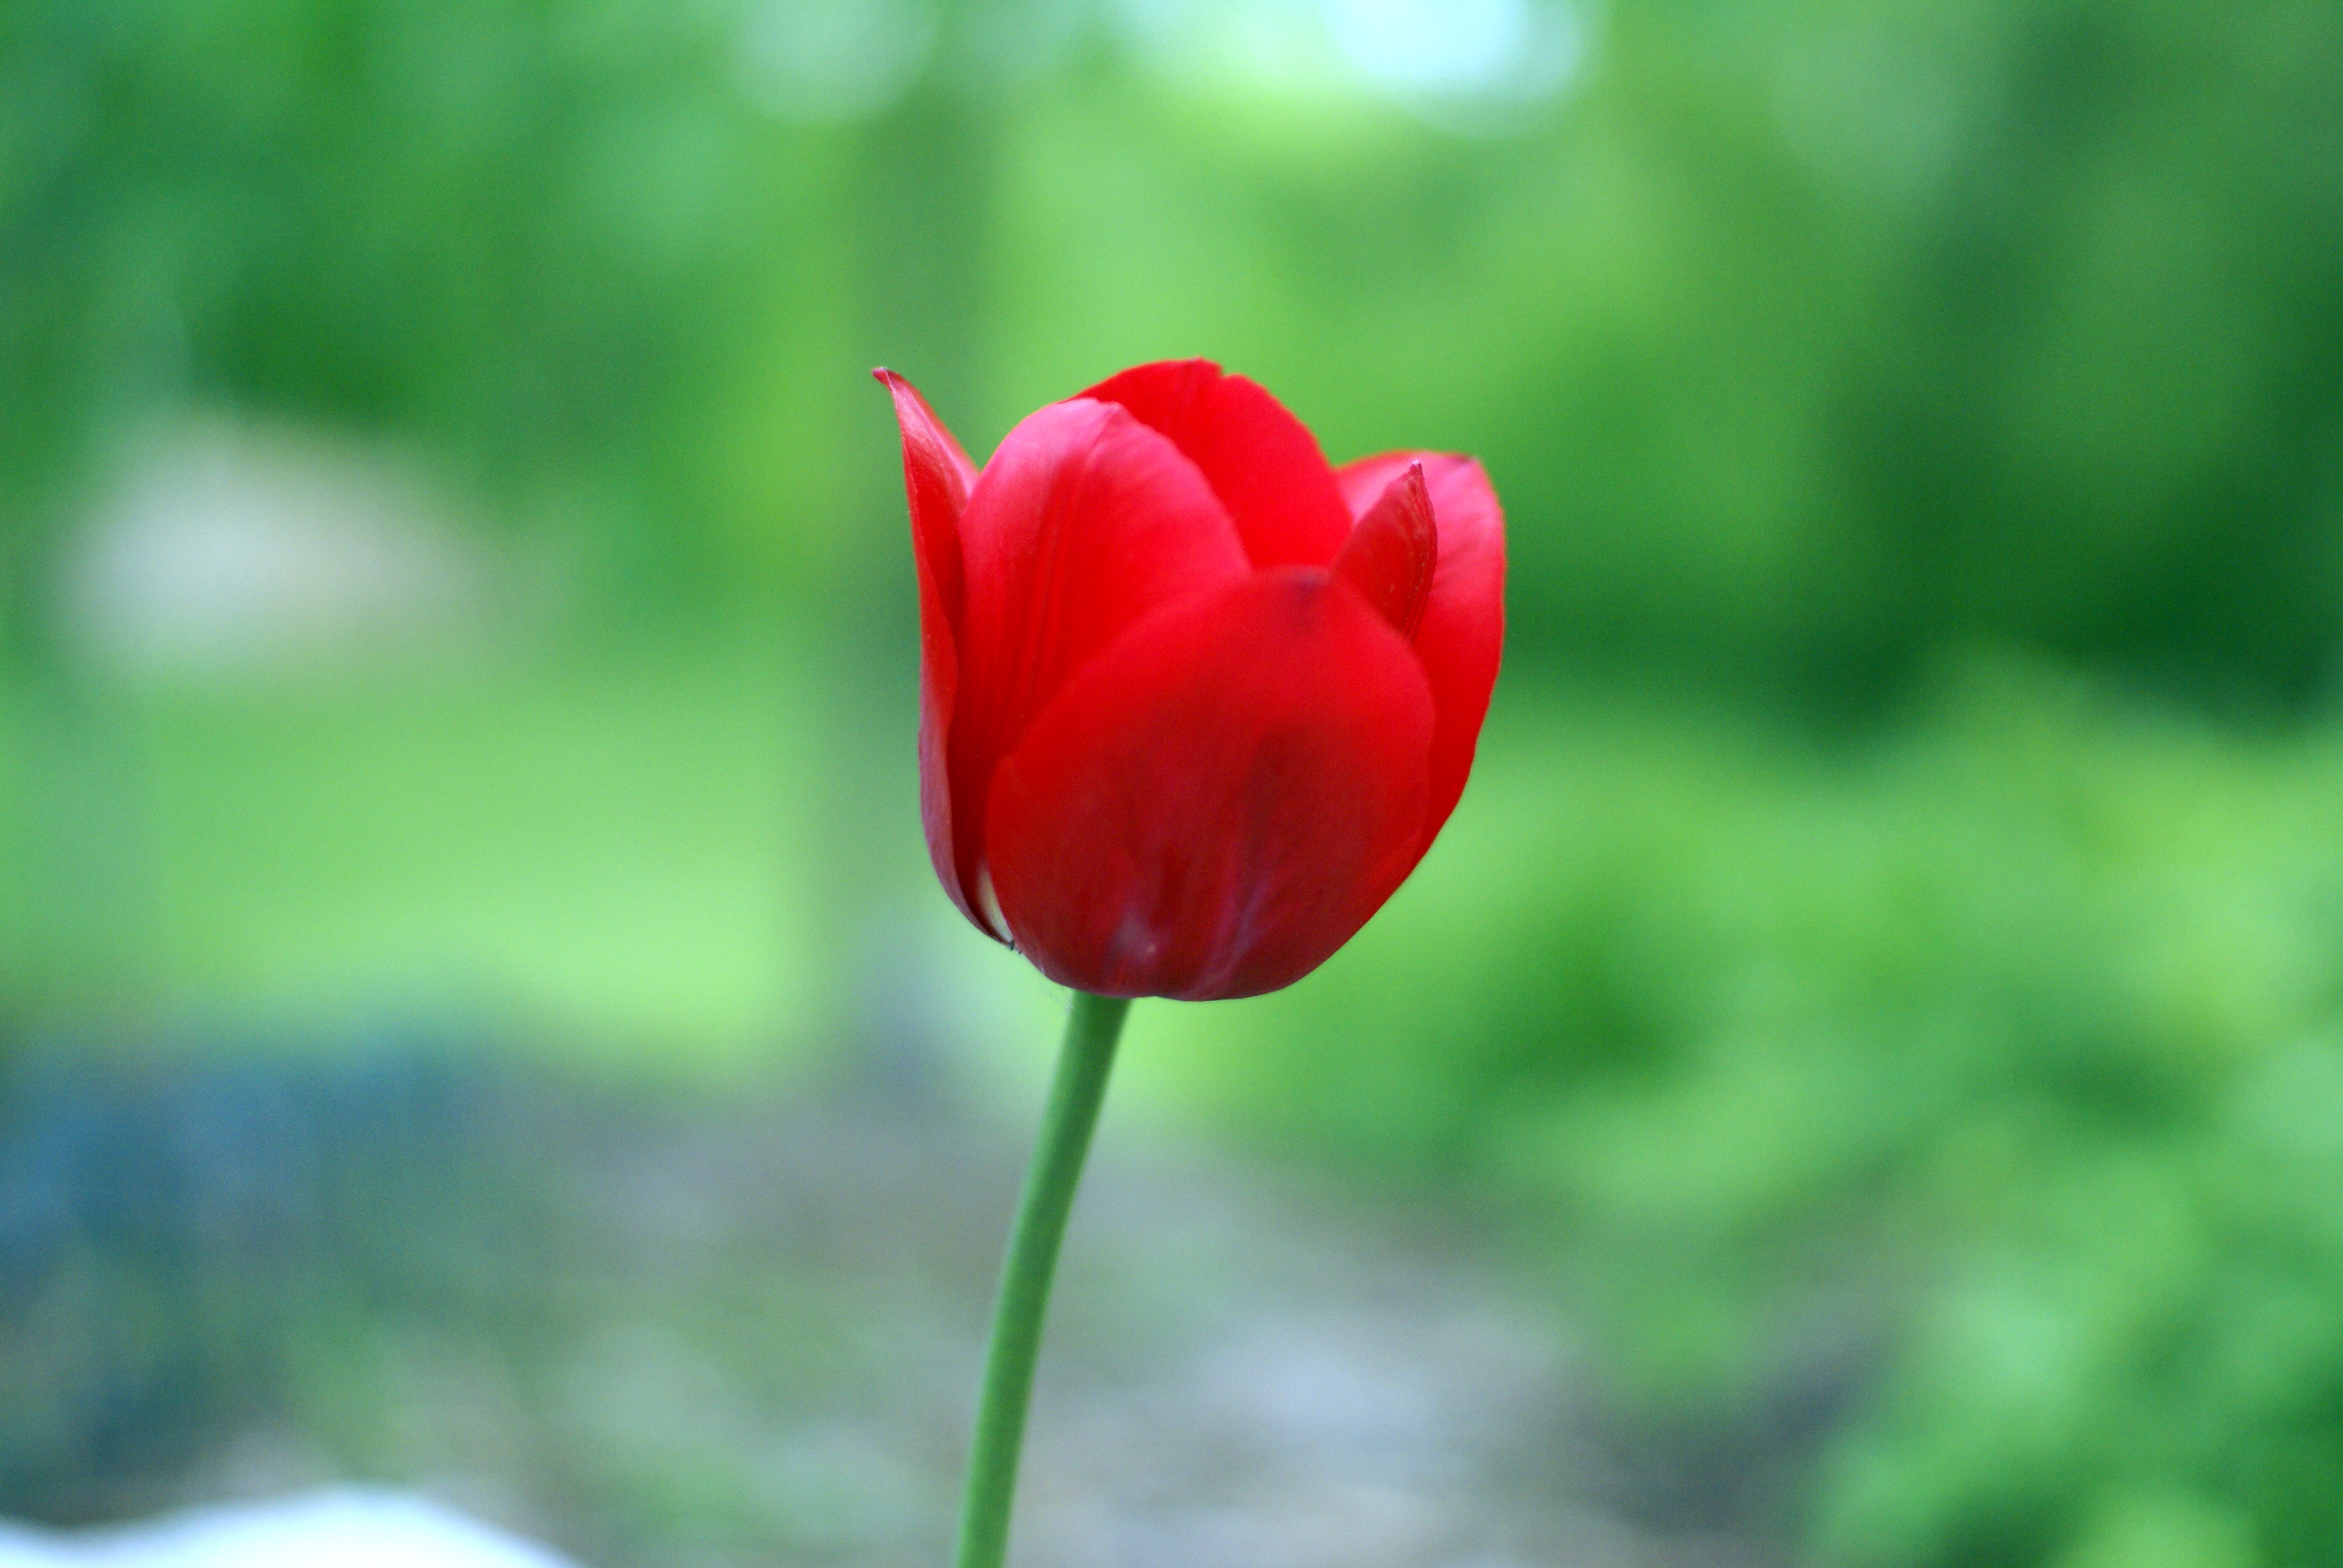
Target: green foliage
[[2006, 1057]]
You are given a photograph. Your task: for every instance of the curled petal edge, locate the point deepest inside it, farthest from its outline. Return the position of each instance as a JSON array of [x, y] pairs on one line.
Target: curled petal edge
[[1461, 638], [937, 480], [1394, 551]]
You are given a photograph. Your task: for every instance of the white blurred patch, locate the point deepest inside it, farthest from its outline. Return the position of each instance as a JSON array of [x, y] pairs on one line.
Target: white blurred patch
[[828, 60], [229, 547], [1468, 65], [339, 1528], [1436, 47]]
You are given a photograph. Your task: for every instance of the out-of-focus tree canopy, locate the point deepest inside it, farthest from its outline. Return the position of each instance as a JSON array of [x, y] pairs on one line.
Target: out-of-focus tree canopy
[[1802, 337]]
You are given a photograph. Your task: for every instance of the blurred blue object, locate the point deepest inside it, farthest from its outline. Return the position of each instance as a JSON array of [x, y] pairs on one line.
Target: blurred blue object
[[173, 1232]]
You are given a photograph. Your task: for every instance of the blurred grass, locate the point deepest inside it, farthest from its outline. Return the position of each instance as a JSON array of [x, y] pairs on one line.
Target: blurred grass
[[617, 855]]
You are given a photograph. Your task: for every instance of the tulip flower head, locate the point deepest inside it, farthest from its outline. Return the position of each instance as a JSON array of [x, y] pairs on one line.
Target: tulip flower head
[[1192, 703]]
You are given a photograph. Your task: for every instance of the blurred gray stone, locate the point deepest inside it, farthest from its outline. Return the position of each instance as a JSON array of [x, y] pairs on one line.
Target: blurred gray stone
[[230, 546]]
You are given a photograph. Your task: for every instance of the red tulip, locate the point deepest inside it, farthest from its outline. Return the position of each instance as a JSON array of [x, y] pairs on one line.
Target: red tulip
[[1192, 704]]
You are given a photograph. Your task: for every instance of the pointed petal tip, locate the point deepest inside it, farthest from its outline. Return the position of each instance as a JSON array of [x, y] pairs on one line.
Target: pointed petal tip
[[1394, 550]]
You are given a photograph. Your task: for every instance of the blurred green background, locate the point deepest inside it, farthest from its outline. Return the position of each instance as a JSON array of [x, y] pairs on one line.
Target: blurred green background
[[1886, 980]]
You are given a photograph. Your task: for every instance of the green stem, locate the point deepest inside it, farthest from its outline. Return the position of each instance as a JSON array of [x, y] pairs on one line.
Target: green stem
[[1075, 1094]]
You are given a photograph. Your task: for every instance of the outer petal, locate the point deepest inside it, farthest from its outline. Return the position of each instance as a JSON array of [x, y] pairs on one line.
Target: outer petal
[[937, 479], [1217, 802], [1463, 636], [1263, 462], [1084, 522]]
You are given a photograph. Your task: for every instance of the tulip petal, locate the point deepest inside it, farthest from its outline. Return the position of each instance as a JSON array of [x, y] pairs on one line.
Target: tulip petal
[[1394, 551], [1084, 522], [1218, 801], [937, 479], [1462, 639], [1262, 461]]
